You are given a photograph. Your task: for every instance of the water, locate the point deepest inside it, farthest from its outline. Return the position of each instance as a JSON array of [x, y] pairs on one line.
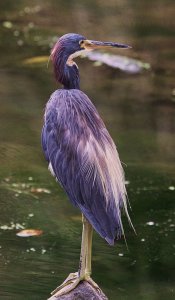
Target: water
[[139, 113]]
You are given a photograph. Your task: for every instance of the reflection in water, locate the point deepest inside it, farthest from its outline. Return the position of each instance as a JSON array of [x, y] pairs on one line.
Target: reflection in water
[[139, 112]]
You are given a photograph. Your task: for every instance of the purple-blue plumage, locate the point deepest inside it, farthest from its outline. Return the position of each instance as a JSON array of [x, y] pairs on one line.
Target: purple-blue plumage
[[71, 132]]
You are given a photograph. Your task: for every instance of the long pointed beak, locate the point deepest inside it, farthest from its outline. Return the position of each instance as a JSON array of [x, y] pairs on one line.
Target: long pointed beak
[[92, 45]]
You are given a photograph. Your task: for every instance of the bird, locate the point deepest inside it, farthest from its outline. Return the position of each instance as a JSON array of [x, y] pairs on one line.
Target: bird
[[82, 156]]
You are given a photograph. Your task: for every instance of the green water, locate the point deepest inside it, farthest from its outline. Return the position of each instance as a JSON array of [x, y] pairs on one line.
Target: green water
[[139, 111]]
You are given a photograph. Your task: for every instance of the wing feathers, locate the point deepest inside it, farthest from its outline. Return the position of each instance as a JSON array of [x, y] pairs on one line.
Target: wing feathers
[[85, 161]]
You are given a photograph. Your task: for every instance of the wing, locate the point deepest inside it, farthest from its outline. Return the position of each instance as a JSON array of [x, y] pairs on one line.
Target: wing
[[84, 159]]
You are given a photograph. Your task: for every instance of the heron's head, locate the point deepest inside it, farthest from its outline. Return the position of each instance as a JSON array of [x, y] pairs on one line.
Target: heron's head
[[72, 45], [66, 49]]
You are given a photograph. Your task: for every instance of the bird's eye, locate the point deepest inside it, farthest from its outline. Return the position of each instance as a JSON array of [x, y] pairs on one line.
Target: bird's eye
[[81, 43]]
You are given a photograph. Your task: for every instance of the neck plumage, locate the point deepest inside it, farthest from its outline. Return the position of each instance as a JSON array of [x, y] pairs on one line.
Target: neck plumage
[[65, 72]]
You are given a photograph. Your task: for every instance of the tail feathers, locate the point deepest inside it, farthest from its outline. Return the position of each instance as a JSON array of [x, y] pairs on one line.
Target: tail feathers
[[109, 173], [104, 226]]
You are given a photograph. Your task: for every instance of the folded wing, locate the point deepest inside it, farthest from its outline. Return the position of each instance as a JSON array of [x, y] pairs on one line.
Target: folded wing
[[83, 157]]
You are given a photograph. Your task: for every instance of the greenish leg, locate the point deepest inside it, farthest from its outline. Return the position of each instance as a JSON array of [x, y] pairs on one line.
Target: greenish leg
[[89, 257], [89, 249], [84, 243], [85, 263]]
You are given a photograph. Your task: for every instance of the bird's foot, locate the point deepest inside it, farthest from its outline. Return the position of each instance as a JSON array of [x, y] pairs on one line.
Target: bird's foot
[[92, 283], [71, 282], [68, 284]]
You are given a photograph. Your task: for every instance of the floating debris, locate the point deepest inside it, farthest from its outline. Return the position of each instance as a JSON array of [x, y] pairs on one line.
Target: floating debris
[[32, 249], [171, 188], [151, 223], [22, 188], [40, 190], [36, 60], [124, 63], [31, 215], [43, 251], [142, 240], [29, 232], [120, 254], [5, 227], [12, 226]]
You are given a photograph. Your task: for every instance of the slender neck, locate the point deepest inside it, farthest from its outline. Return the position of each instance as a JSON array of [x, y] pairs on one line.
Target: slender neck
[[66, 74]]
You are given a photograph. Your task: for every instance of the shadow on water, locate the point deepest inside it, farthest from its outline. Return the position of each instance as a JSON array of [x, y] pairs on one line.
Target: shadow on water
[[139, 113]]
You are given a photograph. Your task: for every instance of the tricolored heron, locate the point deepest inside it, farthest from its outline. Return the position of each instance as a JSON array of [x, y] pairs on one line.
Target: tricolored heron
[[82, 155]]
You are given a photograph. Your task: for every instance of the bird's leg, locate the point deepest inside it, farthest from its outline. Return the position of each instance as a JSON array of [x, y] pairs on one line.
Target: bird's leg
[[89, 249], [88, 269], [84, 249], [85, 263]]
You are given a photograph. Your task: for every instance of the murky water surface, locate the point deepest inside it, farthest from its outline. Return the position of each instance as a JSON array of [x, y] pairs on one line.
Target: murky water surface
[[139, 112]]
